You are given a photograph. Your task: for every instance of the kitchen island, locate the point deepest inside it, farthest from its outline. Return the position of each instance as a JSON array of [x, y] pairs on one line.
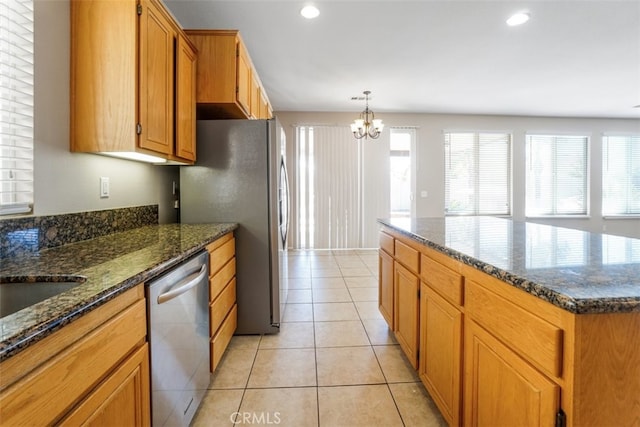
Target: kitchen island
[[516, 323]]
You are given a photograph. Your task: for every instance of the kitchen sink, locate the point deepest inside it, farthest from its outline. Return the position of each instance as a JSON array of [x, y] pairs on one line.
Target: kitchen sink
[[16, 295]]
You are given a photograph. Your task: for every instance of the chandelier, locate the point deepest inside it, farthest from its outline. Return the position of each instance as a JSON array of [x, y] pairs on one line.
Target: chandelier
[[367, 126]]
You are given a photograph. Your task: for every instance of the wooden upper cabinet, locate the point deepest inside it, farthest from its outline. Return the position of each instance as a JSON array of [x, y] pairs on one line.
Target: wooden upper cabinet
[[104, 49], [255, 98], [244, 76], [186, 59], [157, 39], [226, 84], [124, 87]]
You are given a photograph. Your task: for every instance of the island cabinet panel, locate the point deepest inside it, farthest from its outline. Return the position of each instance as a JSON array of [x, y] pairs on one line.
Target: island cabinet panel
[[386, 243], [538, 340], [406, 311], [90, 370], [385, 288], [606, 371], [407, 256], [448, 283], [222, 296], [440, 366], [501, 388]]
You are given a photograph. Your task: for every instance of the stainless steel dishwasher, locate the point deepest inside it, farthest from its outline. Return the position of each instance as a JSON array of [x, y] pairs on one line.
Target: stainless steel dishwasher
[[177, 303]]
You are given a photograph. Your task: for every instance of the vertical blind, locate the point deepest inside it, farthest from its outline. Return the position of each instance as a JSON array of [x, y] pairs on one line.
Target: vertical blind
[[621, 175], [329, 188], [556, 175], [477, 173], [16, 106]]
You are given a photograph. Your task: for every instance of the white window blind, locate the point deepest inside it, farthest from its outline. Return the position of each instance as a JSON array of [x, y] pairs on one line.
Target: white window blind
[[556, 175], [328, 180], [16, 106], [621, 175], [477, 173]]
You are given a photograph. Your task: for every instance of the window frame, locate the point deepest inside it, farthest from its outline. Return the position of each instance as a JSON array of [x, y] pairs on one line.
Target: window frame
[[17, 107], [509, 166], [605, 142], [587, 176]]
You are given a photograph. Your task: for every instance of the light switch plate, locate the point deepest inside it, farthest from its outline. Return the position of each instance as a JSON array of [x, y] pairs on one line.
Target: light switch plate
[[104, 187]]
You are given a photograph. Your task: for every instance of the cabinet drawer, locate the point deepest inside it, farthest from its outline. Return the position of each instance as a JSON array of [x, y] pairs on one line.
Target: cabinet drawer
[[221, 306], [218, 281], [221, 255], [386, 242], [531, 337], [441, 279], [406, 255], [221, 340]]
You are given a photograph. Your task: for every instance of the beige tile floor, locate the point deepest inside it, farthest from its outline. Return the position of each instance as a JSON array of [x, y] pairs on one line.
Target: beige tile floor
[[334, 363]]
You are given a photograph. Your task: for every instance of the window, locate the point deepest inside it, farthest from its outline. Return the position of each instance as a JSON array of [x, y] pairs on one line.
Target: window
[[556, 175], [621, 175], [477, 173], [16, 106], [400, 194]]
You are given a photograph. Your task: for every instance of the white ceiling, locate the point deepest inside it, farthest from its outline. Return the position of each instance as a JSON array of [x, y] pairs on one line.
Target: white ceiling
[[576, 58]]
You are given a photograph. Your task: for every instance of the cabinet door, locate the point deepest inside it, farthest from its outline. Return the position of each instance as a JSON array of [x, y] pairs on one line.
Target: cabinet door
[[441, 352], [406, 311], [255, 97], [501, 388], [185, 100], [244, 79], [104, 38], [120, 400], [385, 286], [157, 40]]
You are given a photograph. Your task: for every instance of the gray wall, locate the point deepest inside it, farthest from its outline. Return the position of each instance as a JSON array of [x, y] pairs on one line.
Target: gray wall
[[69, 182], [430, 161]]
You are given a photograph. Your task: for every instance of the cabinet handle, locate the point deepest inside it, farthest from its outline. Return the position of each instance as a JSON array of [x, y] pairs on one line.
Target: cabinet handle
[[183, 287]]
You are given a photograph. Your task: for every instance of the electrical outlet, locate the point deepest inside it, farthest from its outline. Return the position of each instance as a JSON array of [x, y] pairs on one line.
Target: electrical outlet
[[104, 187]]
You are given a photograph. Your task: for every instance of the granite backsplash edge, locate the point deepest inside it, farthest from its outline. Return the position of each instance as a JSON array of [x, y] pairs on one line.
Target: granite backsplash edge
[[28, 235]]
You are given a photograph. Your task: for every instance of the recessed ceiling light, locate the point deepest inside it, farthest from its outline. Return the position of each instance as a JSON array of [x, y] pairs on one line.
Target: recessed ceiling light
[[518, 19], [309, 12]]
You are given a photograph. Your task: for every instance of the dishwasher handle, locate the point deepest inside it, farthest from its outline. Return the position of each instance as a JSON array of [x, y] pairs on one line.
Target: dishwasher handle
[[184, 285]]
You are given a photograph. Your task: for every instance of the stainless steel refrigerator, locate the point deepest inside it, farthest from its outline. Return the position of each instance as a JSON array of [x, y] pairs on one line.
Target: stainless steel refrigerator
[[240, 176]]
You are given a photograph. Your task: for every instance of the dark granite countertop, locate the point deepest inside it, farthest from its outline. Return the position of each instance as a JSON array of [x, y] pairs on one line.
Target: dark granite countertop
[[578, 271], [111, 265]]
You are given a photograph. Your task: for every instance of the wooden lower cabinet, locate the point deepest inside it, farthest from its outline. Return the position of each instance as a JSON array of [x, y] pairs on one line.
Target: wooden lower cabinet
[[121, 400], [94, 370], [491, 354], [501, 388], [223, 310], [385, 286], [440, 366], [406, 311]]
